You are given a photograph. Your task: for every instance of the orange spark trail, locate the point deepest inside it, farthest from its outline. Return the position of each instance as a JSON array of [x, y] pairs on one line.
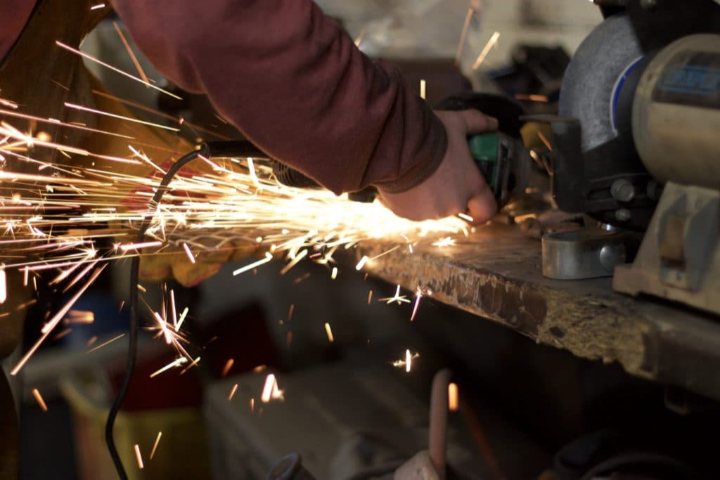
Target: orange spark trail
[[486, 50], [329, 333], [3, 286], [233, 391], [453, 397], [52, 323], [138, 456], [130, 52], [115, 69], [104, 344], [39, 399], [228, 365], [119, 117], [155, 445]]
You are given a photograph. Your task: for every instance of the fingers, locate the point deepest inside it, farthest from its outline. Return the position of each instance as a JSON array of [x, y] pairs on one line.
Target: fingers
[[476, 122], [482, 206]]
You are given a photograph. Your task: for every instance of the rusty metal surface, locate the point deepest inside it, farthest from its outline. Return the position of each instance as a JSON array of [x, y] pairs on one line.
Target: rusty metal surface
[[495, 273]]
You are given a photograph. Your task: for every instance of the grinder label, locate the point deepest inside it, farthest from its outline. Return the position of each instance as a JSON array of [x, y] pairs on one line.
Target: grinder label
[[692, 78]]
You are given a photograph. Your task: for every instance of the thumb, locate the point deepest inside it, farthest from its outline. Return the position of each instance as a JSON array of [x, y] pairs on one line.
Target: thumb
[[476, 121], [482, 206]]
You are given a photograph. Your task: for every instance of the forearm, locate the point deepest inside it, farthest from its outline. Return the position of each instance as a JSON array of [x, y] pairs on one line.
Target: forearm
[[294, 84]]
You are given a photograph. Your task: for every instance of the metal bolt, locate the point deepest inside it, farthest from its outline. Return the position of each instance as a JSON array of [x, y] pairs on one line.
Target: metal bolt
[[622, 190], [622, 215], [648, 4]]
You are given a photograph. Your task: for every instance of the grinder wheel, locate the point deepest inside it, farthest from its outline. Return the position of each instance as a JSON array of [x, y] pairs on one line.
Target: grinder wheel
[[595, 77]]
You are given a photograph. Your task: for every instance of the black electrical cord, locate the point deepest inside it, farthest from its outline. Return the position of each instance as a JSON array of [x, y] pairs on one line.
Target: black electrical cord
[[217, 149]]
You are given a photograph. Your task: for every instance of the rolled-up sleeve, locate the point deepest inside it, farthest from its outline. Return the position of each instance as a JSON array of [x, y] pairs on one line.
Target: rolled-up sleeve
[[295, 84]]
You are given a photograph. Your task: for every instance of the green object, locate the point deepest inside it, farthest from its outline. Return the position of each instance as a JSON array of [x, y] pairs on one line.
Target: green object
[[485, 149]]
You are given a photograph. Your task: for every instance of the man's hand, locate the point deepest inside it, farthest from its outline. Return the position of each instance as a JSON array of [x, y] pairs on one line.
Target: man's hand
[[457, 186]]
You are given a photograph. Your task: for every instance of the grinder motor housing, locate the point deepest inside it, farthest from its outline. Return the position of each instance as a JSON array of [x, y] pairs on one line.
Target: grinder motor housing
[[638, 145]]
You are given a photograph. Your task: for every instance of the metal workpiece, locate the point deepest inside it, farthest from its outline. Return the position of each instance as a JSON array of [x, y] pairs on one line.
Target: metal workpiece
[[680, 255], [496, 274], [676, 112], [583, 253]]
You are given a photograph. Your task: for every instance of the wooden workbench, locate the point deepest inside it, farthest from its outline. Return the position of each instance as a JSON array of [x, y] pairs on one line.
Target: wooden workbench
[[495, 273]]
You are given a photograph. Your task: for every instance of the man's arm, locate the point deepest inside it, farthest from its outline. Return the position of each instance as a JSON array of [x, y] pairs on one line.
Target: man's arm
[[295, 84]]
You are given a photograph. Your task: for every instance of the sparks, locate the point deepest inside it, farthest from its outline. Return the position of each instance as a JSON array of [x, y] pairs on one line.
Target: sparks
[[293, 262], [138, 456], [188, 252], [181, 320], [463, 34], [228, 365], [106, 343], [174, 364], [361, 263], [53, 322], [173, 310], [129, 50], [453, 397], [444, 242], [466, 217], [268, 257], [3, 286], [271, 390], [532, 97], [416, 304], [486, 50], [359, 39], [155, 445], [80, 316], [192, 364], [140, 245], [115, 69], [329, 333], [397, 298], [39, 399], [544, 140], [233, 391], [406, 362], [119, 117]]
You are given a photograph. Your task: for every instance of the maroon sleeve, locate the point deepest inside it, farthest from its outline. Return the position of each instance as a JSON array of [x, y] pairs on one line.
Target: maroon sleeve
[[293, 82], [14, 15]]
